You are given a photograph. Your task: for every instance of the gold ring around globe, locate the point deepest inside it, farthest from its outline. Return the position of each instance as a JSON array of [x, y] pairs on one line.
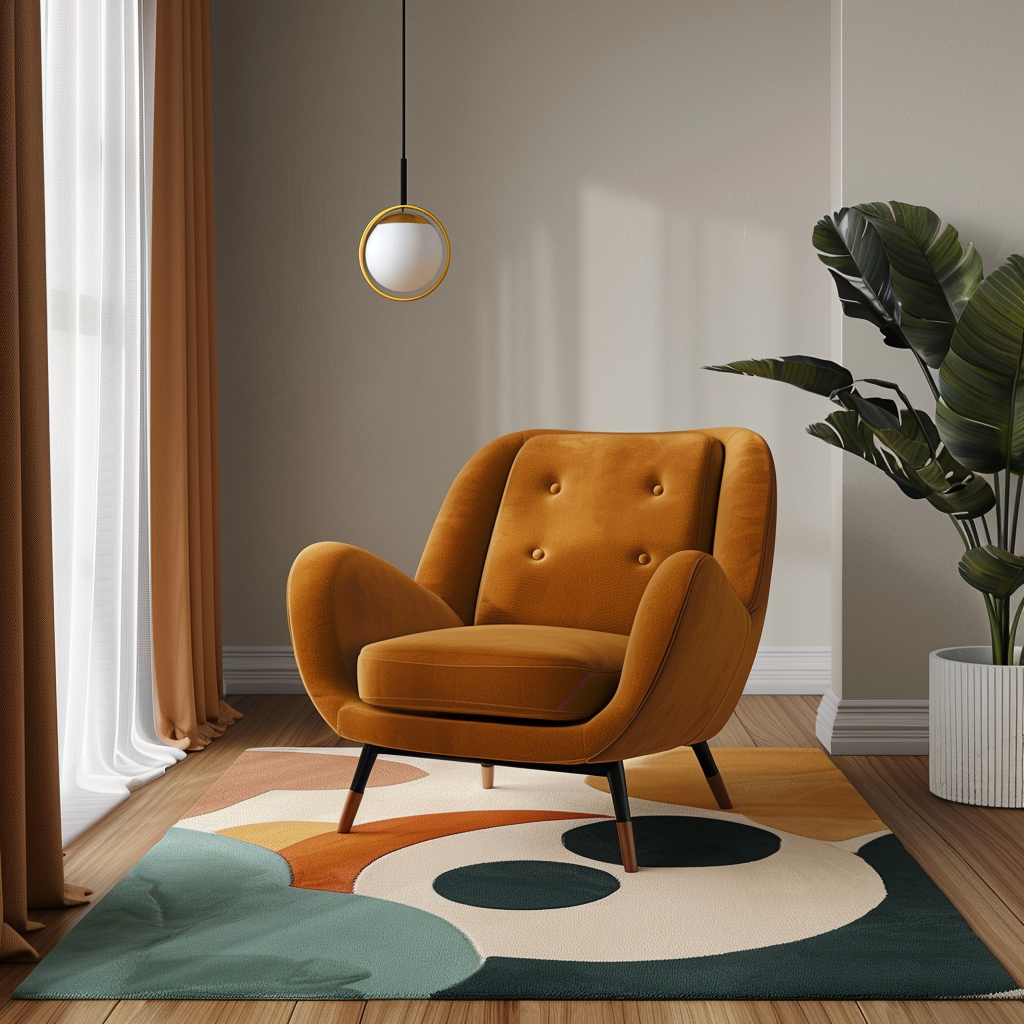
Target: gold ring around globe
[[403, 215]]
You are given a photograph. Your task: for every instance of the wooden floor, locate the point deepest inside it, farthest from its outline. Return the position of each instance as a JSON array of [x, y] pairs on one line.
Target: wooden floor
[[976, 855]]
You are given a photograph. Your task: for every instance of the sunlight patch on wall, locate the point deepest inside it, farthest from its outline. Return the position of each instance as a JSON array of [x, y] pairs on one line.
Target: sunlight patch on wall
[[615, 340], [525, 370], [731, 298], [623, 348]]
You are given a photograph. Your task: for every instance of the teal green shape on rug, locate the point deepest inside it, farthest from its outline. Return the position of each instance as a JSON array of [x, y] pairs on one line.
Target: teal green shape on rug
[[525, 885], [207, 917], [675, 841], [913, 945], [204, 916]]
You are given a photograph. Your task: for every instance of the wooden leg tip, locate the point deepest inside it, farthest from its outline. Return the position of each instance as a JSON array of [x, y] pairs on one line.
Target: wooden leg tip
[[487, 775], [626, 846], [348, 814]]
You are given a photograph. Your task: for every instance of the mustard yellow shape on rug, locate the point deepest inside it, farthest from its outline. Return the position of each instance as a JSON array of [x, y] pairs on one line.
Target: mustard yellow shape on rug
[[276, 835], [793, 789]]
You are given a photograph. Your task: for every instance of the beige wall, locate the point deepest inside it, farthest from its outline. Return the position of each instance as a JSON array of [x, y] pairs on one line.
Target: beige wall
[[629, 187], [932, 114]]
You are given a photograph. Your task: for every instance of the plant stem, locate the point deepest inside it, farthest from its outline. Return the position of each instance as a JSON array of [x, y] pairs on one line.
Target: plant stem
[[914, 412], [960, 530], [1016, 512], [973, 532], [927, 376], [1000, 625], [1007, 649], [1013, 629], [999, 512], [984, 522], [991, 604], [1007, 539], [993, 626]]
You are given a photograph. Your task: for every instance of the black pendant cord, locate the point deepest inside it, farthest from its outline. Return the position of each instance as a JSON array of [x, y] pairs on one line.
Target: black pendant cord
[[405, 187]]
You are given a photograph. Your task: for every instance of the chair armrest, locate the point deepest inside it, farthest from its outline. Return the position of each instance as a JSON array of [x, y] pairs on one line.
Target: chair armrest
[[341, 598], [687, 658]]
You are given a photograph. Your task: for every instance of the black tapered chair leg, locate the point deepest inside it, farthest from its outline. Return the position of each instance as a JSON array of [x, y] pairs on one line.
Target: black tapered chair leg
[[710, 769], [356, 787], [623, 820]]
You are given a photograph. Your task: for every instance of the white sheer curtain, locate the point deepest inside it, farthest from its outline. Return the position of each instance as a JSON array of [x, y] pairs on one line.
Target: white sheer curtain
[[96, 265]]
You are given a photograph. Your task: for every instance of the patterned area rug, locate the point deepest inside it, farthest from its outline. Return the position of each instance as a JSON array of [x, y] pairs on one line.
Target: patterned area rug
[[447, 890]]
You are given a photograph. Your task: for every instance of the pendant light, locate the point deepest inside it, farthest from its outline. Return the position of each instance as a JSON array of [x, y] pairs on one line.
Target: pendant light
[[404, 252]]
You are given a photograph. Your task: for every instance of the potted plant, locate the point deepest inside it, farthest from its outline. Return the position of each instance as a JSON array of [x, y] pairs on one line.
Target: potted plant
[[898, 267]]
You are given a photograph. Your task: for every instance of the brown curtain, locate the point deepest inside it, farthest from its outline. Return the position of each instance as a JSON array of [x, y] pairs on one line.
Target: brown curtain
[[185, 469], [31, 869]]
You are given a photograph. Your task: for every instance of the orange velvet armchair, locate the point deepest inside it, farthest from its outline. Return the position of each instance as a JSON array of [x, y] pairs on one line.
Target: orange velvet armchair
[[583, 598]]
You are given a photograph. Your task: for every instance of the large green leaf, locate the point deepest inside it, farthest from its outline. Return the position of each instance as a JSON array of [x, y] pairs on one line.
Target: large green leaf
[[852, 249], [846, 430], [980, 414], [911, 454], [951, 490], [819, 376], [933, 275], [992, 570], [914, 455], [900, 435]]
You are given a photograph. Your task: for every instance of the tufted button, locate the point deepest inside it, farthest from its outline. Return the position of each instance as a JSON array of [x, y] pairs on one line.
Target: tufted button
[[658, 489], [555, 488], [538, 554], [644, 559]]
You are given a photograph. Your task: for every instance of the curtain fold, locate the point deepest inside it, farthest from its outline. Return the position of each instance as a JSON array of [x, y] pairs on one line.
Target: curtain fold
[[185, 491], [31, 868], [99, 390]]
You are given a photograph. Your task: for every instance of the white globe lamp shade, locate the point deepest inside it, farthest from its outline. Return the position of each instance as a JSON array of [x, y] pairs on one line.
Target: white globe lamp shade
[[404, 253]]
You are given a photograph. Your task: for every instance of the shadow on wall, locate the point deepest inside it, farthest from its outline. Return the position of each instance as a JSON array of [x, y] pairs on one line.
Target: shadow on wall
[[611, 336], [660, 292]]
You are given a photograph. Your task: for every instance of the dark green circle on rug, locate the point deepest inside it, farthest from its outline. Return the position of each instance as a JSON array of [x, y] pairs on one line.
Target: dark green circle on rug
[[675, 841], [525, 885]]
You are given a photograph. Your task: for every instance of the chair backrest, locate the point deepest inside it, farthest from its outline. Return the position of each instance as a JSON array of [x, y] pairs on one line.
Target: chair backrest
[[468, 550], [586, 519]]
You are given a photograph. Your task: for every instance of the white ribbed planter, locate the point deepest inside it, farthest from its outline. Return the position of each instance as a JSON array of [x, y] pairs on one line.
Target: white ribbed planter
[[976, 728]]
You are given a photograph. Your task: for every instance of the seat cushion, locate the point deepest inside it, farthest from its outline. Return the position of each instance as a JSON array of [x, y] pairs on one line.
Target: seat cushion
[[550, 673]]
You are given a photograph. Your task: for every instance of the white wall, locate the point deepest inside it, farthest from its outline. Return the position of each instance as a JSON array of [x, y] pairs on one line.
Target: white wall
[[932, 114], [629, 188]]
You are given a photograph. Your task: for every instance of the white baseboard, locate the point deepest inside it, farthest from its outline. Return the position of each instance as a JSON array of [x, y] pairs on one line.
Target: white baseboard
[[261, 670], [790, 670], [843, 726], [776, 670], [872, 726]]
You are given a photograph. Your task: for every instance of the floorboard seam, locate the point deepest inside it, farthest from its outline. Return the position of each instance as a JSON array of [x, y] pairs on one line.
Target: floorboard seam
[[863, 1012]]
